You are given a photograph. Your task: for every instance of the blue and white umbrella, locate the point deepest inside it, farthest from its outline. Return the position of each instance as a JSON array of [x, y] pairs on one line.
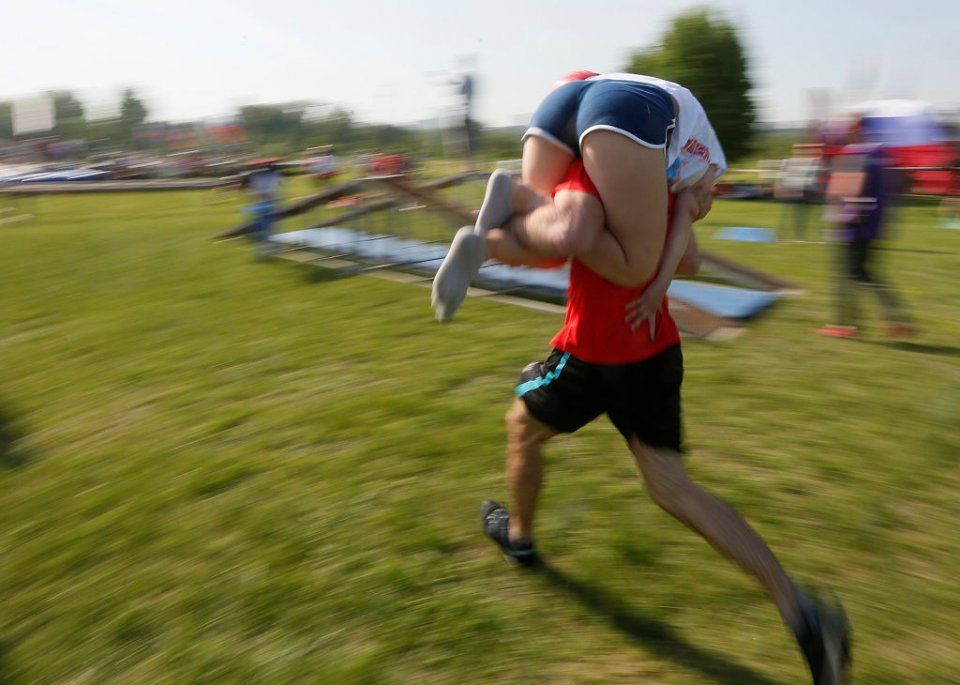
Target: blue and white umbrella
[[900, 123]]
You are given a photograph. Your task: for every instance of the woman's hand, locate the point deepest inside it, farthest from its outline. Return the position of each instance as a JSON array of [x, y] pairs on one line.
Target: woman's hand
[[700, 194], [646, 307], [697, 200]]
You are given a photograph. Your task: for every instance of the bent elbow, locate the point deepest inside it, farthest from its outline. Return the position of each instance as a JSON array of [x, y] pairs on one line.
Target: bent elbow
[[577, 238], [689, 266], [695, 265]]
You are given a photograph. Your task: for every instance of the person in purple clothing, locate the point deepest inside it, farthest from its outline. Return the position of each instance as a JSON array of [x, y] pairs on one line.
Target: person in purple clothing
[[859, 196]]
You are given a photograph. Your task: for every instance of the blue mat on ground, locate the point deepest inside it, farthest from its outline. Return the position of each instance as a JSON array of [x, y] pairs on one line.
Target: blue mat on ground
[[422, 257], [746, 234], [726, 301], [723, 300], [369, 246]]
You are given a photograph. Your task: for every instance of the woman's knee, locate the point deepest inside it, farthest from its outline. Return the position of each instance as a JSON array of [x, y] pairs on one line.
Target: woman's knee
[[632, 184]]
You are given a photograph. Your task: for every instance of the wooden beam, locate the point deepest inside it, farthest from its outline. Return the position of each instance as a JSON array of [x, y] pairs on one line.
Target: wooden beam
[[423, 193], [741, 274], [357, 212], [699, 323], [324, 196], [455, 213]]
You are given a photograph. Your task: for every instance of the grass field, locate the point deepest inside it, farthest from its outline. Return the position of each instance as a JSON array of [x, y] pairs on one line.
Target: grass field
[[221, 470]]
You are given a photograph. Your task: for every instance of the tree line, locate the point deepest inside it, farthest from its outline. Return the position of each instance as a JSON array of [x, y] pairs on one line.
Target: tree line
[[700, 50], [70, 121]]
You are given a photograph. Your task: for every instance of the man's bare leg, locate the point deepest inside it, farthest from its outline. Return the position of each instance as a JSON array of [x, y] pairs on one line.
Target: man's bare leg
[[819, 626], [525, 437], [513, 532], [671, 488]]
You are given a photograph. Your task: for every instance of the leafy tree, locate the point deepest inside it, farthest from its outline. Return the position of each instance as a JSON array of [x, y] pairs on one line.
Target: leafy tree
[[335, 127], [6, 120], [702, 52], [132, 110], [68, 115], [274, 124], [132, 114]]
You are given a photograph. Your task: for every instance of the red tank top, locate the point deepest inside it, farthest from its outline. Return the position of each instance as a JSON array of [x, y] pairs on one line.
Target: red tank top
[[594, 329]]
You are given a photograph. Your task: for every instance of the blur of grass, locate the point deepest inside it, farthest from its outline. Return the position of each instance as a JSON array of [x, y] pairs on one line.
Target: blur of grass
[[219, 470]]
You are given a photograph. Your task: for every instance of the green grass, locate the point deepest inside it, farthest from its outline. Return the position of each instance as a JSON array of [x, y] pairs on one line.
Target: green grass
[[218, 470]]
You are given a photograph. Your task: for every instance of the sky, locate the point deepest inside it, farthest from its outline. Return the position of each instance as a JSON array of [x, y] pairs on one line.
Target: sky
[[388, 61]]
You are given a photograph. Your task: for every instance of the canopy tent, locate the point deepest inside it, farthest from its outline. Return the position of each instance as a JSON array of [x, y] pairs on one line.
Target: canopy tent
[[915, 138], [901, 123]]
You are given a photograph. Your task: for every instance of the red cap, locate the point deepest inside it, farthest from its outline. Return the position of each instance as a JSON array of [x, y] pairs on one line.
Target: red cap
[[579, 75]]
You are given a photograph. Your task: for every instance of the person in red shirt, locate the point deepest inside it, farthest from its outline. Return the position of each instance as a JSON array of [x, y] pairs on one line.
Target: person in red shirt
[[604, 362]]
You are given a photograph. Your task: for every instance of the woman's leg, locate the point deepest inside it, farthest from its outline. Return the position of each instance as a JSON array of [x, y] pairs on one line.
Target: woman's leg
[[633, 188], [543, 165], [504, 199]]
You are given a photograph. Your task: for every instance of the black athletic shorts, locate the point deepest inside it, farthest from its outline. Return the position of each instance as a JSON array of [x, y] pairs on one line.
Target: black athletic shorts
[[642, 398]]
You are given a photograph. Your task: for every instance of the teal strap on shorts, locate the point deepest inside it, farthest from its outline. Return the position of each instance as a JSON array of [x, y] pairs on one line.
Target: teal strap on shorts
[[523, 388]]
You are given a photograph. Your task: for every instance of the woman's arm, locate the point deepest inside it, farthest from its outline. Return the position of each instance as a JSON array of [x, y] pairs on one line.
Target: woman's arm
[[679, 240]]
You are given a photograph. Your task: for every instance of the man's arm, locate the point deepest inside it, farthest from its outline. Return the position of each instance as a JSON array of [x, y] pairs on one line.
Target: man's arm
[[573, 225], [503, 246], [572, 212], [562, 228]]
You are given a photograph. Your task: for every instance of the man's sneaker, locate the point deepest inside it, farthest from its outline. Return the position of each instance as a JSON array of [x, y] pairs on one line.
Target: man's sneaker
[[837, 331], [825, 641], [460, 266], [496, 525]]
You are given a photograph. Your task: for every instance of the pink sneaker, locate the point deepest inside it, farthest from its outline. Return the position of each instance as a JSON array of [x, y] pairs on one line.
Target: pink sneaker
[[837, 331]]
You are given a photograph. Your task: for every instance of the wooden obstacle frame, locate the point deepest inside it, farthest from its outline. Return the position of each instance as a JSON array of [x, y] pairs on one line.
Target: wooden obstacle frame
[[383, 192], [391, 192]]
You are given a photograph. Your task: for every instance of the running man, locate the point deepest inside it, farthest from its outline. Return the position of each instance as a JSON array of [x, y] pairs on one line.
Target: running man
[[600, 366]]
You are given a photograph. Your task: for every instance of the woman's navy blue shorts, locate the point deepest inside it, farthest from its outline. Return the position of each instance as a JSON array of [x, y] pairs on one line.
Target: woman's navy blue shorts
[[641, 111]]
